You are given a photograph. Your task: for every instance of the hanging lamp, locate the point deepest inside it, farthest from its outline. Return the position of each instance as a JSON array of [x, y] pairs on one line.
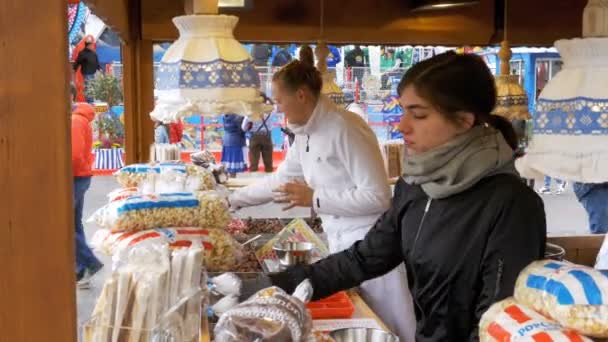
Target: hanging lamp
[[206, 71], [571, 121], [511, 98], [330, 88]]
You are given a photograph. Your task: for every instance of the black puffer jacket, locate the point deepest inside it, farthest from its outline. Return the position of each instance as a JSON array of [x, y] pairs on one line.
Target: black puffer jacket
[[462, 253]]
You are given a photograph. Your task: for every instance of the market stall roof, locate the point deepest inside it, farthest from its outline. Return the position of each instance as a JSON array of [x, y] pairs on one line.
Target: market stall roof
[[362, 21]]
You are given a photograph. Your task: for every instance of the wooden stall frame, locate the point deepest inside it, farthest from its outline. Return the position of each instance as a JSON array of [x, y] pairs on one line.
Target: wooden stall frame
[[37, 285]]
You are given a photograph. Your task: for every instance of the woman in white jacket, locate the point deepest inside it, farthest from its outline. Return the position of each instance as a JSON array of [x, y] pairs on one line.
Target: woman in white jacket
[[337, 156]]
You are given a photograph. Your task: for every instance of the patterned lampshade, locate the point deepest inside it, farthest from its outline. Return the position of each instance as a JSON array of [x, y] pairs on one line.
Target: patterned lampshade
[[571, 121], [511, 98], [206, 72]]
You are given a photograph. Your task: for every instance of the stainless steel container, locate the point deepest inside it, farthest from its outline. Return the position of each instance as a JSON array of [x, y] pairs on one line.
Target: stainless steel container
[[363, 335], [293, 253]]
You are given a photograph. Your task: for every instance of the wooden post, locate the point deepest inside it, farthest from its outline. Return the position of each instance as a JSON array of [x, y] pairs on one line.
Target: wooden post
[[201, 7], [138, 81], [505, 58], [37, 285]]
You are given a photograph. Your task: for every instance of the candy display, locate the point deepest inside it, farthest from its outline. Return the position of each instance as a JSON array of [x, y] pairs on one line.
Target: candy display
[[133, 175], [199, 209], [575, 296], [251, 226], [508, 321], [269, 315]]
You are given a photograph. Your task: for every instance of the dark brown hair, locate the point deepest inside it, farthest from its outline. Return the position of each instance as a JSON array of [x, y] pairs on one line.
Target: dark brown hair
[[306, 55], [298, 74], [455, 83]]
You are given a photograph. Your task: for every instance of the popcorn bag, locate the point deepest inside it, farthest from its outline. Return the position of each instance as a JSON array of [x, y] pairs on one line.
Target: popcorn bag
[[221, 251], [135, 213], [573, 295], [193, 177], [508, 321]]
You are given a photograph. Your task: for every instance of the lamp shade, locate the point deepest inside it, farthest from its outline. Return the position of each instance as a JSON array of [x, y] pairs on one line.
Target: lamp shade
[[511, 100], [571, 121], [206, 72]]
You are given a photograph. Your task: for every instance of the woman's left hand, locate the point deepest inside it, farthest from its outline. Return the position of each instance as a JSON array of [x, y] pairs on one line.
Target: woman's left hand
[[297, 194]]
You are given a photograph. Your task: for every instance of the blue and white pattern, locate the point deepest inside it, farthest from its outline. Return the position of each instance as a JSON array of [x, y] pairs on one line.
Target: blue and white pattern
[[108, 158], [213, 74], [572, 285], [233, 159], [175, 200], [576, 116], [145, 168]]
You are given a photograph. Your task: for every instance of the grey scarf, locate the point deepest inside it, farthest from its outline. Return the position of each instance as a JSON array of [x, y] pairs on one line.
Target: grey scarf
[[460, 163]]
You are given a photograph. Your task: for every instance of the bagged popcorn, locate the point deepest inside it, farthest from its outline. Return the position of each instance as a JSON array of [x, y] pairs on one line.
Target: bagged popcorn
[[135, 213], [508, 321], [602, 257], [191, 177], [573, 295], [221, 251]]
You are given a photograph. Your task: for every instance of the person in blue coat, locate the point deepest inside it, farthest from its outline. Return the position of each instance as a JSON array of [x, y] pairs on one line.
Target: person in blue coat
[[234, 141], [334, 57]]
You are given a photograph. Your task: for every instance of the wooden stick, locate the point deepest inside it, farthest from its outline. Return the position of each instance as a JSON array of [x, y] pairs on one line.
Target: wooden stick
[[201, 6]]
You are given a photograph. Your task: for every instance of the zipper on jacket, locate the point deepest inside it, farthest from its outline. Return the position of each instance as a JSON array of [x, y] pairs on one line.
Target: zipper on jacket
[[307, 141], [426, 210]]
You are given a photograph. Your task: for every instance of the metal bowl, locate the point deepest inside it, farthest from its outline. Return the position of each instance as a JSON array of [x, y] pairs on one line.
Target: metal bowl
[[363, 335], [555, 252], [293, 253]]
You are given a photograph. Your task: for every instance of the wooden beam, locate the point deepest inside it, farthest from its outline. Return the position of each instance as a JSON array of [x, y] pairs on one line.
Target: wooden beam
[[362, 21], [114, 13], [37, 293], [138, 82], [542, 22]]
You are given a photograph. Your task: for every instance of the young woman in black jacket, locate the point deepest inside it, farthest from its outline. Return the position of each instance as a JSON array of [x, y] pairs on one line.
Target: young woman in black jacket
[[461, 220]]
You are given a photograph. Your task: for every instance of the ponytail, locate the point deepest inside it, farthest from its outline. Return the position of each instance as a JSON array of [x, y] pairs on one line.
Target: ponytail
[[506, 128], [307, 56]]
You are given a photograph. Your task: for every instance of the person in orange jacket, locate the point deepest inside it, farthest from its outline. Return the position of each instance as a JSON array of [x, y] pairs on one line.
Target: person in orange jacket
[[87, 263]]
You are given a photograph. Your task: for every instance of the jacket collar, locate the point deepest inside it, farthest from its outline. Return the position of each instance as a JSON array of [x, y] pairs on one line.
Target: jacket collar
[[322, 109]]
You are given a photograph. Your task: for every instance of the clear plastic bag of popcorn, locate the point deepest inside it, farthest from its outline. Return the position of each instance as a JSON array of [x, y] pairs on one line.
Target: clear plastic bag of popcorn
[[221, 252], [199, 209], [196, 178], [573, 295], [268, 316], [508, 321], [602, 257]]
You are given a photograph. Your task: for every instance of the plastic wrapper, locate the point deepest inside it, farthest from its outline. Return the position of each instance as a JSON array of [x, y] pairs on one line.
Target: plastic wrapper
[[196, 177], [508, 321], [203, 158], [206, 159], [602, 257], [575, 296], [200, 209], [221, 251], [269, 315]]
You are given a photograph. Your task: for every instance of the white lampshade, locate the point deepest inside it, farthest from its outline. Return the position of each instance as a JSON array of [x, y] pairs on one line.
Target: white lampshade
[[571, 121], [206, 72]]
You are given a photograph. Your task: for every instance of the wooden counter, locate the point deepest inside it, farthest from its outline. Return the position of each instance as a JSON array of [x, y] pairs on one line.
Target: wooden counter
[[362, 310]]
